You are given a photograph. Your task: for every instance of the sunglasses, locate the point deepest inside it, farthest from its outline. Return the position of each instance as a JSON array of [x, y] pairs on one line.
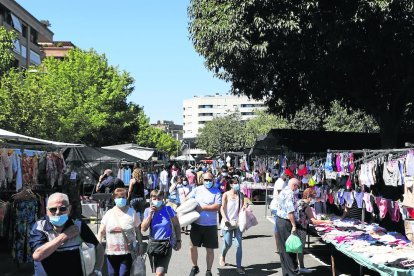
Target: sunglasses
[[61, 209], [207, 179]]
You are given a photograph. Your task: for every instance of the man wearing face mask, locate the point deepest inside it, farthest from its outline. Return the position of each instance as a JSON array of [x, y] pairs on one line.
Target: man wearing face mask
[[55, 241], [287, 215], [204, 230]]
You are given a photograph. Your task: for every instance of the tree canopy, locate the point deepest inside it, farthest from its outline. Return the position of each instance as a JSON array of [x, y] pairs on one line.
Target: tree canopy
[[79, 99], [222, 134], [149, 136], [288, 52], [6, 48]]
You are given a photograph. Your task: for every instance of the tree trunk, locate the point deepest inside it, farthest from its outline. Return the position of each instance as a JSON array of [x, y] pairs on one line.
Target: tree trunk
[[390, 131]]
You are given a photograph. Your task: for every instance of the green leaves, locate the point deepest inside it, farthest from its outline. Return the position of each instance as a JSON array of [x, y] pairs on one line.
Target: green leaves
[[80, 99], [357, 52], [149, 136], [6, 49]]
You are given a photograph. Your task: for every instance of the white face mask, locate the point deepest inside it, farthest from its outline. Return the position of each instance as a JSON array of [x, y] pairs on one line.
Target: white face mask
[[296, 191], [312, 201]]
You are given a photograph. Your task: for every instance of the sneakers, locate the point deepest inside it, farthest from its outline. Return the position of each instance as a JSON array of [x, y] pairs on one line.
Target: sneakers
[[194, 271], [208, 273], [240, 271], [305, 270]]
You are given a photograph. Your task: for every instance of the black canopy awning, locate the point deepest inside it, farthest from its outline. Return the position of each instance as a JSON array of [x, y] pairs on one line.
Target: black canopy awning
[[309, 141]]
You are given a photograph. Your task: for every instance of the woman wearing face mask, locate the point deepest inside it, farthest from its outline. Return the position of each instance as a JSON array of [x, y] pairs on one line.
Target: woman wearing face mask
[[305, 218], [162, 221], [121, 226], [232, 204]]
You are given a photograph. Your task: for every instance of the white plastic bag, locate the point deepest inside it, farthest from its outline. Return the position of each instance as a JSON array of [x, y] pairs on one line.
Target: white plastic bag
[[88, 257], [187, 206], [187, 219], [242, 220]]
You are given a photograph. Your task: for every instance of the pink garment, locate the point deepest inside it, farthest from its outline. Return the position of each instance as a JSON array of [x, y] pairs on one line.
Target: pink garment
[[367, 200], [394, 211], [382, 206], [338, 163], [351, 162]]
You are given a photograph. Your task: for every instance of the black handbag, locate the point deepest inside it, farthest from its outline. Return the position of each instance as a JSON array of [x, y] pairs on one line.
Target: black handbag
[[158, 248]]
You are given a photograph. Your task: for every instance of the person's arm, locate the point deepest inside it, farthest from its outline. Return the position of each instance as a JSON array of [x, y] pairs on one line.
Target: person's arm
[[345, 214], [101, 233], [223, 207], [50, 247], [291, 217], [148, 218], [177, 229], [131, 187]]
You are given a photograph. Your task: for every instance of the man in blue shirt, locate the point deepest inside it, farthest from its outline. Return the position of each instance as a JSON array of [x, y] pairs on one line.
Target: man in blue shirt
[[204, 230]]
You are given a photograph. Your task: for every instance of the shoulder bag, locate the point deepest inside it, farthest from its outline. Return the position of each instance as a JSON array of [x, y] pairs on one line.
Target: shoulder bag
[[129, 243], [160, 248]]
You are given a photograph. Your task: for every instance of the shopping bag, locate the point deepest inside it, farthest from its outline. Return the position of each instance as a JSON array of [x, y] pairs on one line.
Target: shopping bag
[[138, 266], [242, 220], [293, 244], [88, 257], [251, 219]]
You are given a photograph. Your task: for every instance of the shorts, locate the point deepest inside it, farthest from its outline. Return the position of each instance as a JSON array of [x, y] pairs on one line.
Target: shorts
[[204, 236], [275, 230], [163, 188], [160, 262]]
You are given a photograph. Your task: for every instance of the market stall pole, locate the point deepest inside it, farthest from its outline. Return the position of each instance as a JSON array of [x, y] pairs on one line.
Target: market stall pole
[[100, 197]]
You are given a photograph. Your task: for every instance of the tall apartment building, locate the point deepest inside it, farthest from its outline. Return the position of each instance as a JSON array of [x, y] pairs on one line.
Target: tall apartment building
[[30, 31], [175, 131], [201, 109]]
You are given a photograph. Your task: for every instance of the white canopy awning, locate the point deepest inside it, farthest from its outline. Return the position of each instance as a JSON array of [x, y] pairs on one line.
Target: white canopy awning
[[184, 158], [8, 135], [134, 150]]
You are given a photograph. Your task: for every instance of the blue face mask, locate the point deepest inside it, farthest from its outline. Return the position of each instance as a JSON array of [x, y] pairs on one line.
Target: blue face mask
[[58, 220], [157, 203], [120, 202], [208, 184], [236, 187]]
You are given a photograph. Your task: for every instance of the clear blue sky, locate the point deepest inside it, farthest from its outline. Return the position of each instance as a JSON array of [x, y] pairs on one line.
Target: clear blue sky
[[147, 38]]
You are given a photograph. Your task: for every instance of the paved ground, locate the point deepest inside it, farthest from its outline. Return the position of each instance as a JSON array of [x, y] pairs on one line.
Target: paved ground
[[259, 257]]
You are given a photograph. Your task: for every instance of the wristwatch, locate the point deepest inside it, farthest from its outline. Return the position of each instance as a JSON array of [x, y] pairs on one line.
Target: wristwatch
[[97, 272]]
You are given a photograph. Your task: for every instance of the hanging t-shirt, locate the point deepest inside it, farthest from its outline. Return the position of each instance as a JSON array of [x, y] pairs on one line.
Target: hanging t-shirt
[[127, 175]]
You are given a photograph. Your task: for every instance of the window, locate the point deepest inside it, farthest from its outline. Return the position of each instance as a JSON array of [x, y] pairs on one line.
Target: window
[[16, 23], [205, 114], [17, 47], [247, 113], [205, 106], [34, 57], [33, 36], [201, 122], [24, 30], [24, 51]]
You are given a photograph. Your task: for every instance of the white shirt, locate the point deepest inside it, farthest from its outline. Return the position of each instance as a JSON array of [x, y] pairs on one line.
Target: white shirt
[[164, 178], [115, 242]]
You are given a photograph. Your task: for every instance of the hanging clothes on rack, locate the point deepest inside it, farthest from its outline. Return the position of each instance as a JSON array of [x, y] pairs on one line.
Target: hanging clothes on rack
[[25, 207]]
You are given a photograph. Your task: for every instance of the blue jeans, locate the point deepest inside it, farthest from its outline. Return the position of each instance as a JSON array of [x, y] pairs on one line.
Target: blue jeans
[[228, 239], [119, 265]]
